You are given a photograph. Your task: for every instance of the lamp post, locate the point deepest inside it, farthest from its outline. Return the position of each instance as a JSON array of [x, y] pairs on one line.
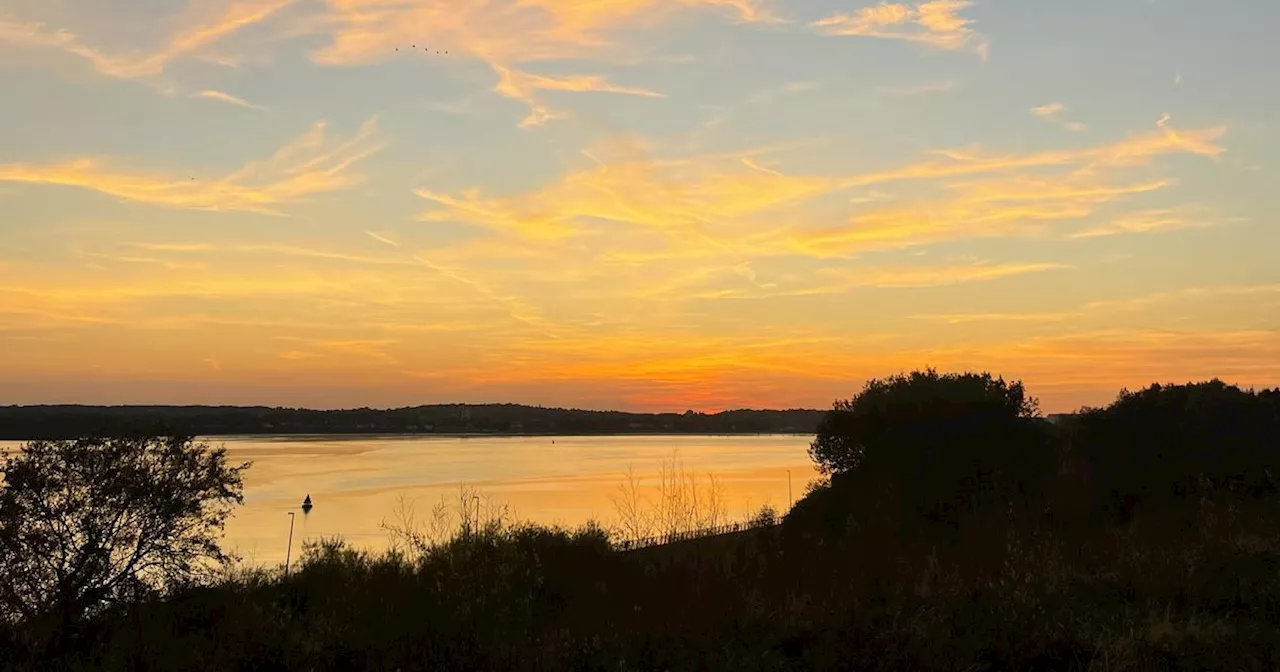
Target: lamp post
[[791, 502], [289, 552]]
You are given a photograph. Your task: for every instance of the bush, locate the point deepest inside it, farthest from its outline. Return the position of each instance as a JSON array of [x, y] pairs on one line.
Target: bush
[[932, 450], [1170, 445]]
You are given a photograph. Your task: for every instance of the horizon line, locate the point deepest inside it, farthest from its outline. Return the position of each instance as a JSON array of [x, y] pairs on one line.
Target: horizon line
[[402, 408]]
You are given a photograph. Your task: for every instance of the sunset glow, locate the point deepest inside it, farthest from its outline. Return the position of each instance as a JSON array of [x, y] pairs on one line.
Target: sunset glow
[[636, 204]]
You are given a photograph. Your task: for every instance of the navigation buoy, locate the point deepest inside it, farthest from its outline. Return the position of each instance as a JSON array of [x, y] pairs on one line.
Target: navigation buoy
[[306, 504]]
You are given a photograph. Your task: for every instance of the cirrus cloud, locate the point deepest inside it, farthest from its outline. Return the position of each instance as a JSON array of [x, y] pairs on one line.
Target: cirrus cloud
[[208, 24], [935, 23], [310, 164]]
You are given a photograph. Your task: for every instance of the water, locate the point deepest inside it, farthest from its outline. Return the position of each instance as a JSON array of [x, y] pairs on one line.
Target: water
[[358, 482]]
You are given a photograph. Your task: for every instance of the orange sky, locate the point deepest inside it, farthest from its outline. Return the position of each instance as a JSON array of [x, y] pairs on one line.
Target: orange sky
[[640, 204]]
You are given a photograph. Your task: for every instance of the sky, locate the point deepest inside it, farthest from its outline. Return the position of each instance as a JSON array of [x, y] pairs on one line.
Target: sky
[[640, 204]]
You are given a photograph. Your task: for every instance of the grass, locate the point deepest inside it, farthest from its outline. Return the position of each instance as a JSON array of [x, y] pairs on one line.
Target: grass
[[1152, 595]]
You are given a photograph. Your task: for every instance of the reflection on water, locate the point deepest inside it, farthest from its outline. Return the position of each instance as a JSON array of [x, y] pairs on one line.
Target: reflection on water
[[355, 482]]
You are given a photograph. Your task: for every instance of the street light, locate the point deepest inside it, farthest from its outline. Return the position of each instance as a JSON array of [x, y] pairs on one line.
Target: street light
[[791, 502], [289, 552]]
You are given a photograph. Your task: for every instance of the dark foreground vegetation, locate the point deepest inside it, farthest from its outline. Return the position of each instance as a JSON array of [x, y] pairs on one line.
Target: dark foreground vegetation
[[957, 530], [20, 423]]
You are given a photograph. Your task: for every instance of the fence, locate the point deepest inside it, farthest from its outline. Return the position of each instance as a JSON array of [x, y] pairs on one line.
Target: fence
[[673, 537]]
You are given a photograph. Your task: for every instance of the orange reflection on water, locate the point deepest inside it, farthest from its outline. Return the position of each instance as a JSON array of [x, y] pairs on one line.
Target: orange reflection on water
[[358, 482]]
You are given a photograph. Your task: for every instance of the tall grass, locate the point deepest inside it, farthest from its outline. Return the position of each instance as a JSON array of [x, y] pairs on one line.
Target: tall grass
[[1163, 592], [681, 505]]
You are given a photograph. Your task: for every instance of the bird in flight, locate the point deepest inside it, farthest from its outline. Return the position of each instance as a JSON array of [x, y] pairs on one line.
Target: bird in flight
[[426, 49]]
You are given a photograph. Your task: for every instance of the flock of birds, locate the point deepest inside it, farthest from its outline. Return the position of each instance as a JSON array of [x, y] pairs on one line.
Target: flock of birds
[[426, 49]]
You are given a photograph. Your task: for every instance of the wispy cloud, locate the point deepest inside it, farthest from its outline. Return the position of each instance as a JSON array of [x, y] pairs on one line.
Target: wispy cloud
[[967, 318], [752, 202], [1147, 221], [517, 309], [311, 164], [167, 264], [507, 33], [1112, 306], [629, 227], [1184, 294], [921, 89], [457, 107], [228, 98], [499, 32], [936, 23], [206, 24], [1135, 150], [657, 194], [770, 95], [272, 250], [1007, 206], [345, 349], [1015, 202], [1053, 113], [382, 239], [748, 162], [840, 281], [934, 276], [522, 86]]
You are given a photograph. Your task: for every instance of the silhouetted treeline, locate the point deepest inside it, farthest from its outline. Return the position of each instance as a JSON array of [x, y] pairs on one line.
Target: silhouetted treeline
[[48, 422], [955, 530]]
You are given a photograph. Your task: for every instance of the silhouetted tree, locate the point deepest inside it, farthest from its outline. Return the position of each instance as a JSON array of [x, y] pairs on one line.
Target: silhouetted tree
[[88, 523], [1165, 444], [942, 446]]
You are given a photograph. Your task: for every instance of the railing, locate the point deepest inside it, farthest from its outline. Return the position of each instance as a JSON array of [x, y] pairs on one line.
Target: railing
[[674, 537]]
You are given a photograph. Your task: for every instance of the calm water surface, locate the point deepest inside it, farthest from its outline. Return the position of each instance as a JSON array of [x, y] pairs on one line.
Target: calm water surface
[[358, 482]]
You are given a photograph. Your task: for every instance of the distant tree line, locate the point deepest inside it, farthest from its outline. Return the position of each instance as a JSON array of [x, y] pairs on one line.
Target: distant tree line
[[56, 422]]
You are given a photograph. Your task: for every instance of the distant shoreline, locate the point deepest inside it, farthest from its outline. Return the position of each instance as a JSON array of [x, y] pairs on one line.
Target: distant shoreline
[[24, 423], [479, 435]]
